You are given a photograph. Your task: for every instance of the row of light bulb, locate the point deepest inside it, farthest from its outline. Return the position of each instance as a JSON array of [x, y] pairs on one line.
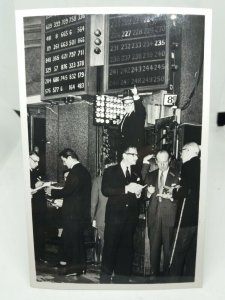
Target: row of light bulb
[[108, 116], [110, 110], [107, 121], [111, 104]]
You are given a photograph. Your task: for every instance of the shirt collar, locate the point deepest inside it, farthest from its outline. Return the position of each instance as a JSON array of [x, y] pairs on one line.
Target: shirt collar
[[124, 167], [164, 173]]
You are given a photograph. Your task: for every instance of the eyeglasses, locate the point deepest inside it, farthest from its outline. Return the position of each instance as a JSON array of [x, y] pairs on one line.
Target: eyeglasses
[[128, 103], [133, 154]]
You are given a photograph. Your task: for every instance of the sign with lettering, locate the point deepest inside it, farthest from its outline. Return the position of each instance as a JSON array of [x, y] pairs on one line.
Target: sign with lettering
[[137, 52], [169, 99], [65, 68]]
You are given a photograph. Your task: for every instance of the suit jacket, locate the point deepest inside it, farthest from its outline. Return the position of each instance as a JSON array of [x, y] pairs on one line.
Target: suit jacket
[[120, 207], [166, 209], [39, 205], [190, 184], [98, 202], [76, 195], [132, 126]]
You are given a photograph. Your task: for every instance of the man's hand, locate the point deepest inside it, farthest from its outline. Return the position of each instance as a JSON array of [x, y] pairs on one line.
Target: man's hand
[[150, 190], [165, 196], [48, 191], [135, 93], [147, 158], [167, 193], [134, 188], [39, 184], [58, 203]]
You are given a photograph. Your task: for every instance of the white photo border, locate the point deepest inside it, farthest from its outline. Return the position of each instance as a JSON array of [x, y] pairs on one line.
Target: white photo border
[[20, 14]]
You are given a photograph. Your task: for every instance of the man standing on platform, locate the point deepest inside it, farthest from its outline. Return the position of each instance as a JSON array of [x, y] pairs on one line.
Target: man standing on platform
[[121, 184], [160, 212], [76, 196], [132, 125], [184, 256]]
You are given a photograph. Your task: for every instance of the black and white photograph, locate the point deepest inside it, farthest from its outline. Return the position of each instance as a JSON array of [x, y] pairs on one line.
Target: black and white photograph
[[114, 114]]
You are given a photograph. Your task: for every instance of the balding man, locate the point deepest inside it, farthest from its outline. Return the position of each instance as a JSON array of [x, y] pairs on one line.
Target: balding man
[[160, 212], [183, 263]]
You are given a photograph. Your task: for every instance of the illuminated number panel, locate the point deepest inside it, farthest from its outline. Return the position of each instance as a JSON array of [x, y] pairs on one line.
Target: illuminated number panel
[[65, 68], [137, 52]]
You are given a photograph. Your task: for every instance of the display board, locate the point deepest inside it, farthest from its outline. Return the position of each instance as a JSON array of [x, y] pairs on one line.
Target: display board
[[65, 51], [137, 52]]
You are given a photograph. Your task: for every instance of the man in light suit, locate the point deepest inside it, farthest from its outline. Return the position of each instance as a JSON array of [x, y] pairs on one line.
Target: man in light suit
[[161, 211], [121, 184]]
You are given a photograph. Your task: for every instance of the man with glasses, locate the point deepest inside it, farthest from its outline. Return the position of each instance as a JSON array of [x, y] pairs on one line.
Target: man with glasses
[[187, 195], [39, 209], [121, 184], [132, 125], [161, 210]]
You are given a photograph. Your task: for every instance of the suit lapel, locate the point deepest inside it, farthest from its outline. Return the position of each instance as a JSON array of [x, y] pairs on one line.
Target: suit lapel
[[121, 175], [155, 180], [169, 178]]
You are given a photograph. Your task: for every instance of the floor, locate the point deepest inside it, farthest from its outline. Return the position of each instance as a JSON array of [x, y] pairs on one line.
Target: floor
[[47, 273]]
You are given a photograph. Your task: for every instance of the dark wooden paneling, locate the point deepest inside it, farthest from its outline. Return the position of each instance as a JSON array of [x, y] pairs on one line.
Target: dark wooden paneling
[[92, 140], [33, 70], [52, 142], [191, 51]]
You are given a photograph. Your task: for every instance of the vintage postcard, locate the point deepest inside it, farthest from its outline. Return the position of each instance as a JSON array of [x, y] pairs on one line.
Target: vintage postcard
[[114, 106]]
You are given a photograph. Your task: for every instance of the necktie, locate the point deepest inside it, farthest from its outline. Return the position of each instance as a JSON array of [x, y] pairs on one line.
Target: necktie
[[128, 176], [161, 184]]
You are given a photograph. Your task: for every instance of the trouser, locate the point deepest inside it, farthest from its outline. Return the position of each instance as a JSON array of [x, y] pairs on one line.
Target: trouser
[[184, 258], [39, 239], [118, 249], [74, 252], [100, 242], [160, 235], [39, 227]]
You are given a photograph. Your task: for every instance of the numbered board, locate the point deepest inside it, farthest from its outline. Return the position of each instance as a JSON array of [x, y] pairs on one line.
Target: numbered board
[[137, 52], [65, 52]]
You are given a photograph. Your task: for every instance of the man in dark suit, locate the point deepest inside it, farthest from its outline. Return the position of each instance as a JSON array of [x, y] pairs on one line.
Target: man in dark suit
[[160, 212], [132, 125], [39, 209], [76, 196], [187, 195], [120, 184]]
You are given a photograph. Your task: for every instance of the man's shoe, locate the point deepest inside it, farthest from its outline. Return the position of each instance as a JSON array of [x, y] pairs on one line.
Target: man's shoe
[[58, 266], [120, 279], [71, 271]]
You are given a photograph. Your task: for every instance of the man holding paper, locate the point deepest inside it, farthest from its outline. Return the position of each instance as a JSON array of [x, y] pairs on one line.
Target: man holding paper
[[121, 184], [39, 208], [161, 210]]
